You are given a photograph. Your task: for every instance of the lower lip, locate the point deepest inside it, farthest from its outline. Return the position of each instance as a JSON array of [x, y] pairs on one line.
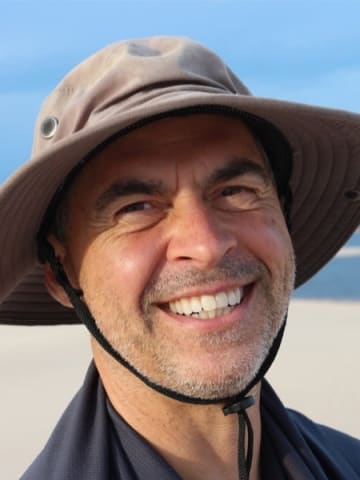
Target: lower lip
[[217, 323]]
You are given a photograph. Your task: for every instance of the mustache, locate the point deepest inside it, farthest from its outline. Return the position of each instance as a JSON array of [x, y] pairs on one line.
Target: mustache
[[168, 283]]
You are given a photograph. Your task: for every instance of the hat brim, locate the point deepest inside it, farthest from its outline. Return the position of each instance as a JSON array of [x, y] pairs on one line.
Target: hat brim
[[326, 166]]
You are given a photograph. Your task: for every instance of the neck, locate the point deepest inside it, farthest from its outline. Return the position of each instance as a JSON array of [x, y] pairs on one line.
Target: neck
[[198, 441]]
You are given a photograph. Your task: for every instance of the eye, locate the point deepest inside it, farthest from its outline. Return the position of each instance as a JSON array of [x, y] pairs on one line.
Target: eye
[[136, 207], [138, 215], [234, 190], [236, 197]]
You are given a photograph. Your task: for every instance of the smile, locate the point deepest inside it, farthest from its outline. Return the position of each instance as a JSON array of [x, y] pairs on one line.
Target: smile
[[208, 306]]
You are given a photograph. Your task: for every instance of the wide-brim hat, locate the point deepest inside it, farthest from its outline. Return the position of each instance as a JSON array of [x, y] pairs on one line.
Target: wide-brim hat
[[129, 82]]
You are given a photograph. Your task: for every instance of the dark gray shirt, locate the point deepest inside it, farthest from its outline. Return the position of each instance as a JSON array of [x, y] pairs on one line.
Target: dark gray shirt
[[92, 442]]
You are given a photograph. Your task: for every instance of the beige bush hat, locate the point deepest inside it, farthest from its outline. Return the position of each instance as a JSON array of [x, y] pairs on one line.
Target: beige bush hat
[[133, 80]]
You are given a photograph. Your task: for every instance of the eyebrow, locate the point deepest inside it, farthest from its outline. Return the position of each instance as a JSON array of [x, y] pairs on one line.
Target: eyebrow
[[132, 186], [237, 167], [128, 186]]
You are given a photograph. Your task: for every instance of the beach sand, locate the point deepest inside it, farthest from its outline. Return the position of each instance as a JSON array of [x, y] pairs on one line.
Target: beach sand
[[42, 367]]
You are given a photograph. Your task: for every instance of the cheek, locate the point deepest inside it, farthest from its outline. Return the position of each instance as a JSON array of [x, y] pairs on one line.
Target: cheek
[[123, 266], [269, 240]]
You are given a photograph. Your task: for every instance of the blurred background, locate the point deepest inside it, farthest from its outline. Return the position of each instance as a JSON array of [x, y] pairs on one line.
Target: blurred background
[[305, 51]]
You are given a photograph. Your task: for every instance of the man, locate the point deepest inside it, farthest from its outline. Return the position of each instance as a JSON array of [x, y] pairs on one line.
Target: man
[[167, 206]]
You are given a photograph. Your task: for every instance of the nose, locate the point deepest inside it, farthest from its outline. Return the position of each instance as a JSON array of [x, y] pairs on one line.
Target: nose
[[200, 235]]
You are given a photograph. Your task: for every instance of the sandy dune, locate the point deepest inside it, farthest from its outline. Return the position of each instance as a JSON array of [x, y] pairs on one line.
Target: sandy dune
[[42, 367]]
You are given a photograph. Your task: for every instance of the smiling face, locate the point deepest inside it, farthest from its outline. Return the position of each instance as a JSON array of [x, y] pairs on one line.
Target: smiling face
[[176, 236]]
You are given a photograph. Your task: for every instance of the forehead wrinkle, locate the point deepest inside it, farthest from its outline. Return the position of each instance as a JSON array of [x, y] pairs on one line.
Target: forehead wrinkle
[[179, 166]]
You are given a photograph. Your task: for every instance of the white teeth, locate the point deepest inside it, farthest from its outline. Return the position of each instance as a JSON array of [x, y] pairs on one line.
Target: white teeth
[[208, 302], [195, 305], [179, 307], [221, 300], [233, 298], [186, 306], [212, 314], [208, 306]]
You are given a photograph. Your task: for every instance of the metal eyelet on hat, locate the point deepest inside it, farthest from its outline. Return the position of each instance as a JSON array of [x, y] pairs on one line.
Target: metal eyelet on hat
[[353, 195], [48, 127]]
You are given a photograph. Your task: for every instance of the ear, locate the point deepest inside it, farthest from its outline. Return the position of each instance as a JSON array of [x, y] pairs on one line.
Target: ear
[[51, 283], [54, 288]]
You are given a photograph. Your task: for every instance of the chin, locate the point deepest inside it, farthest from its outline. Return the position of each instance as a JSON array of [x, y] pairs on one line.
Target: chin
[[215, 379]]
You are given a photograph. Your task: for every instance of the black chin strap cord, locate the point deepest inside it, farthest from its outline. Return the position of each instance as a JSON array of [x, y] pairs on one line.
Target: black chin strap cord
[[246, 434], [237, 404]]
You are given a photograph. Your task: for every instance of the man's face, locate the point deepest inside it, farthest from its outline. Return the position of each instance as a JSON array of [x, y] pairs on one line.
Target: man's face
[[177, 238]]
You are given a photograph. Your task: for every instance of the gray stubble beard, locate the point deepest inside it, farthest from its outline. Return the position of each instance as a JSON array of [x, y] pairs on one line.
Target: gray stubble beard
[[229, 382]]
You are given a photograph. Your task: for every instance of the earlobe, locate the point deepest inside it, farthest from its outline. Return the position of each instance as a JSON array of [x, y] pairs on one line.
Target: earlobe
[[54, 288], [51, 283], [58, 247]]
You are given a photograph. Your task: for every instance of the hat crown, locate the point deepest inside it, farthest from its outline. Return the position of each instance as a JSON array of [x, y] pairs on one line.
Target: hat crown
[[130, 83], [125, 74]]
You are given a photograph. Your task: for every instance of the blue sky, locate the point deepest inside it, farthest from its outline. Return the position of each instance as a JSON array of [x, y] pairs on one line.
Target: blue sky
[[303, 51]]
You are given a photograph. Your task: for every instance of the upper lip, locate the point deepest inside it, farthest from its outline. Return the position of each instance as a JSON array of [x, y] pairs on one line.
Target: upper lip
[[207, 290]]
